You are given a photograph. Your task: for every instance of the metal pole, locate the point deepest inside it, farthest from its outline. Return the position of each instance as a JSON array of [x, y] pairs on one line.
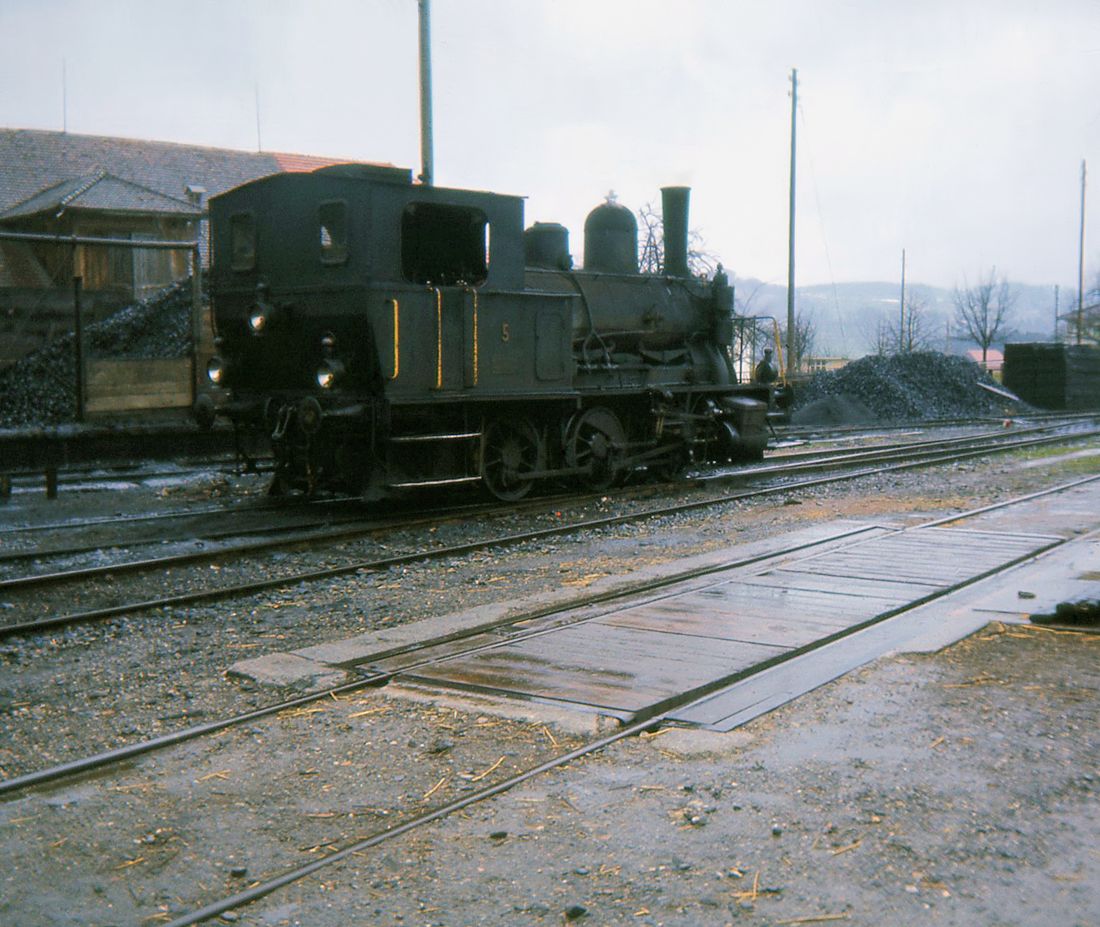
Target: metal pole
[[259, 139], [1081, 263], [74, 240], [78, 347], [427, 157], [790, 235], [902, 347], [196, 318]]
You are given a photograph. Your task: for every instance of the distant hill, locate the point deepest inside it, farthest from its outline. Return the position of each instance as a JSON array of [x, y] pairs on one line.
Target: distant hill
[[847, 316]]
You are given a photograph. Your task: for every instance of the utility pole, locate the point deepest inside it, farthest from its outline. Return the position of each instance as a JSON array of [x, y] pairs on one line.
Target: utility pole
[[1081, 263], [427, 156], [259, 139], [790, 235], [901, 320]]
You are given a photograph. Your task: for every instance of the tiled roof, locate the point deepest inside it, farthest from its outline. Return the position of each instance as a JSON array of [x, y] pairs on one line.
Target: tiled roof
[[101, 191], [33, 161], [296, 163]]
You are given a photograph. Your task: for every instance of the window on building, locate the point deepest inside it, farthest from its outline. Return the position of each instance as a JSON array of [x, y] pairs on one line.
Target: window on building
[[333, 221], [444, 245], [242, 231]]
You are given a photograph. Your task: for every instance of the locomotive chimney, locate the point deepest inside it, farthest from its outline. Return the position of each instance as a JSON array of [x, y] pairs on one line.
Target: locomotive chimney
[[674, 208], [427, 156]]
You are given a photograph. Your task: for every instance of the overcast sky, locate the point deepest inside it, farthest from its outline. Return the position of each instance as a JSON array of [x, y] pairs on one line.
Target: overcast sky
[[953, 129]]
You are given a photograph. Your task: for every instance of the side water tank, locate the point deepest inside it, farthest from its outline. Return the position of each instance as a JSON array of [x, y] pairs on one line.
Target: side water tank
[[546, 244], [611, 240]]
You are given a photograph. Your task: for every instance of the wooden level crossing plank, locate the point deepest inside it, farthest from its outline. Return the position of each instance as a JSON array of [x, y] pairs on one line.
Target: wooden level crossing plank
[[888, 592], [618, 668], [631, 658], [402, 661]]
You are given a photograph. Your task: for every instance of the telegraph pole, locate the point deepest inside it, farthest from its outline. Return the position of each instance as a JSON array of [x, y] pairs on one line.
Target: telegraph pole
[[259, 138], [790, 235], [1081, 263], [427, 156]]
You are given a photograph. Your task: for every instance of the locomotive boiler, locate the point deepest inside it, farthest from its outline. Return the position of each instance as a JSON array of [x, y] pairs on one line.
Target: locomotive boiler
[[386, 335]]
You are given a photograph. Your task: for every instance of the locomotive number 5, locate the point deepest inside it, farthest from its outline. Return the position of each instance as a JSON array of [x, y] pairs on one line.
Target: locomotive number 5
[[505, 332]]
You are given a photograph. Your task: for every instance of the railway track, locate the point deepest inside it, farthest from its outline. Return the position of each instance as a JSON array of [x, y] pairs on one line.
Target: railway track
[[841, 467], [831, 432], [518, 626]]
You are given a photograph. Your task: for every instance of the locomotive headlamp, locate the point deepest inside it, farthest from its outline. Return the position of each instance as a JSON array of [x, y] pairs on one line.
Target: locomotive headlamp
[[262, 315], [258, 319], [329, 373], [215, 371]]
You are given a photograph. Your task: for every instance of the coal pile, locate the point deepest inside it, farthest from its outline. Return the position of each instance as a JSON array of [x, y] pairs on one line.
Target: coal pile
[[40, 388], [903, 387]]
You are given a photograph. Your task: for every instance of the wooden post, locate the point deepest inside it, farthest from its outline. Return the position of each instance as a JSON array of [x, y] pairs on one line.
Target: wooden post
[[78, 347], [196, 320]]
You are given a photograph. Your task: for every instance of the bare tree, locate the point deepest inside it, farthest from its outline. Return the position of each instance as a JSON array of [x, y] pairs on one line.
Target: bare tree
[[908, 334], [651, 254], [805, 335], [982, 311], [883, 339], [1090, 316], [916, 332]]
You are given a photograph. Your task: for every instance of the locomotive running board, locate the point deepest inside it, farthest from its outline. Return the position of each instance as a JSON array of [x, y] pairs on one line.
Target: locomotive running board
[[412, 439], [423, 484]]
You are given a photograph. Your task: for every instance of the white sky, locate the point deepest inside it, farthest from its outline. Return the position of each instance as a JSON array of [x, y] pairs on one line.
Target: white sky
[[952, 128]]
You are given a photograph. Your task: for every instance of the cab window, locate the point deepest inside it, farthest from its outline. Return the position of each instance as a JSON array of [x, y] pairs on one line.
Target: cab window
[[444, 245], [242, 233], [333, 232]]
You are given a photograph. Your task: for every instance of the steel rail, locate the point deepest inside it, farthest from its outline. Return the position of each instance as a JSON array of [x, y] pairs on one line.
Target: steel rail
[[310, 536], [377, 565], [846, 452], [311, 530], [647, 719], [928, 423], [359, 526], [111, 757]]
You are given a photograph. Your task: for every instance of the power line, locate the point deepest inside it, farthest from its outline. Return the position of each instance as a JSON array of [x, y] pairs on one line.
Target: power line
[[824, 237]]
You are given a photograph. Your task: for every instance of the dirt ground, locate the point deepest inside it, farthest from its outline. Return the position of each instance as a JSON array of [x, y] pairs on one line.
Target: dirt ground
[[958, 788], [954, 789]]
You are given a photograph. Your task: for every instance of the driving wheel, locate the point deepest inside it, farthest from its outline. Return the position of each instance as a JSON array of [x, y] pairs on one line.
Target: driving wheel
[[510, 449], [594, 444]]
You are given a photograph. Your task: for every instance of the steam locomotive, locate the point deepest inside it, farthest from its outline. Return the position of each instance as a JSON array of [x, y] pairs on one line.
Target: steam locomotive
[[388, 335]]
